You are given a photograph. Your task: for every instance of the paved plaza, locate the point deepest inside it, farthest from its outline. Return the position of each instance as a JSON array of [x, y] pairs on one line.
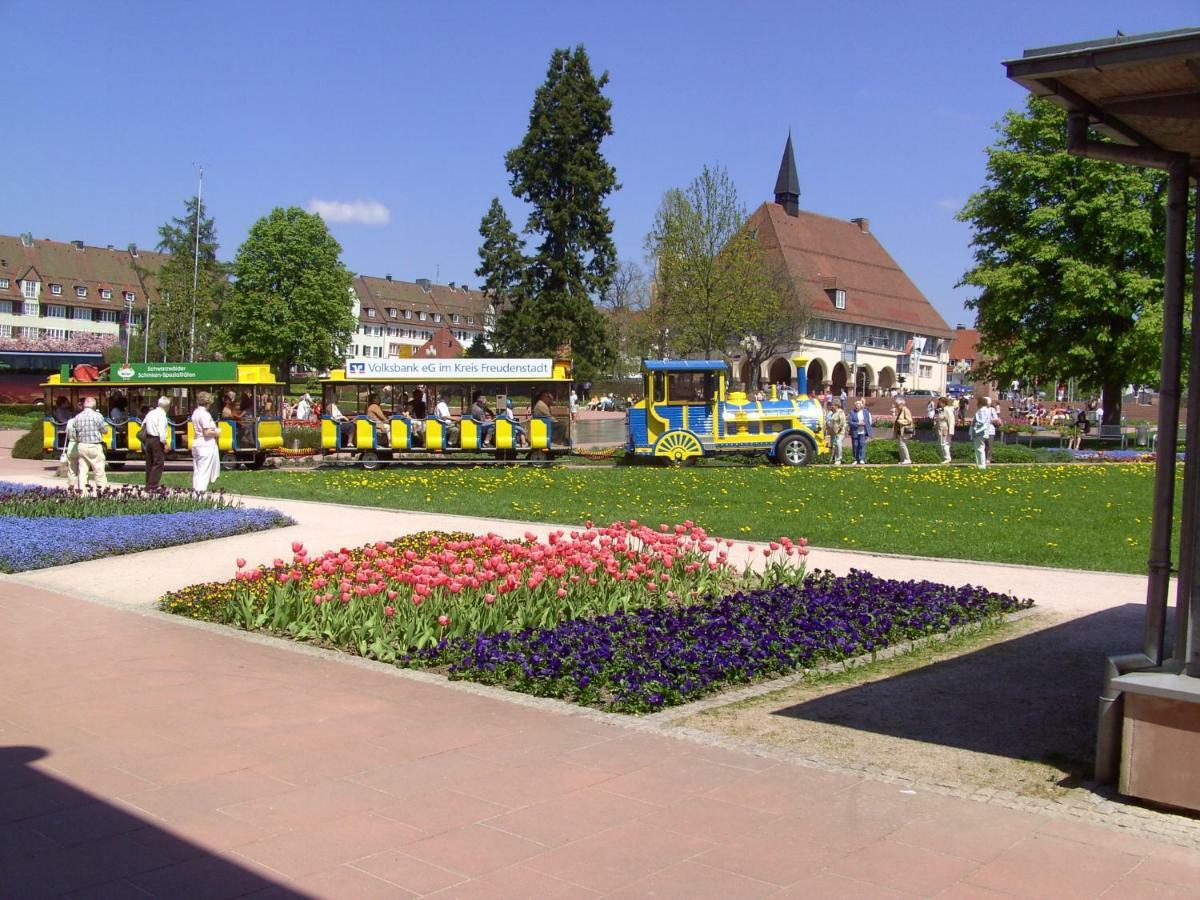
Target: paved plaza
[[145, 755]]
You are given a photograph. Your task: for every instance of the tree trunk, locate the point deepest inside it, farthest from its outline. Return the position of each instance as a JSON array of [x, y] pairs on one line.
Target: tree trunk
[[1110, 399]]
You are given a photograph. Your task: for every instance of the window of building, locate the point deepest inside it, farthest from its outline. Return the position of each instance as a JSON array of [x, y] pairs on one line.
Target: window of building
[[127, 296], [839, 299], [370, 313], [354, 349], [6, 307], [29, 309], [454, 318], [29, 290], [408, 314], [56, 289], [105, 294], [81, 314], [80, 291], [3, 282], [56, 311], [437, 317], [5, 331], [109, 315], [29, 332], [470, 320], [391, 313], [60, 333], [926, 371], [422, 315]]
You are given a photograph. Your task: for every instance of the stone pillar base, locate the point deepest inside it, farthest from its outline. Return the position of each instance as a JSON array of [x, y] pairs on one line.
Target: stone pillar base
[[1160, 745]]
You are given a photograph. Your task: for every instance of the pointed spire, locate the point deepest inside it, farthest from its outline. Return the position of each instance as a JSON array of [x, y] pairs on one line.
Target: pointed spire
[[787, 184]]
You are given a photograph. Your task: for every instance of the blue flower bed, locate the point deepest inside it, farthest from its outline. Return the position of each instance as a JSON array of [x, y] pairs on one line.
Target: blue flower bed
[[651, 658], [35, 543]]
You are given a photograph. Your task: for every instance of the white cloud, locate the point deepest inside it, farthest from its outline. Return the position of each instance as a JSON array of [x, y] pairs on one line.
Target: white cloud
[[951, 203], [354, 212]]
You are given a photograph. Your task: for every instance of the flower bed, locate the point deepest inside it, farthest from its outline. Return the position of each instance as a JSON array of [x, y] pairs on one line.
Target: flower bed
[[647, 659], [35, 543], [34, 501], [627, 617], [412, 593]]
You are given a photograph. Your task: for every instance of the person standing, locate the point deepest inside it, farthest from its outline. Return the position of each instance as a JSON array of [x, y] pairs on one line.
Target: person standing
[[206, 456], [860, 431], [944, 421], [983, 429], [835, 427], [304, 408], [87, 430], [902, 429], [573, 404], [155, 432]]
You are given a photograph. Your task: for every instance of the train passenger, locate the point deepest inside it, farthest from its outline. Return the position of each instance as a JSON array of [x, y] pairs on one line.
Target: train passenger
[[483, 414], [377, 417], [541, 408], [417, 412], [506, 407], [441, 412], [345, 425]]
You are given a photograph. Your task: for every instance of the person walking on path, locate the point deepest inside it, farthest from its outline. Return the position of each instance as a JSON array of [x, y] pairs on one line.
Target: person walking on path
[[860, 431], [87, 430], [983, 429], [155, 430], [206, 457], [944, 421], [902, 429], [835, 427]]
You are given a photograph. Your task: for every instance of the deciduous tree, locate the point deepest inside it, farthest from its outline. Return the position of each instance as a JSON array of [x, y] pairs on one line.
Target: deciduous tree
[[624, 301], [290, 304], [1068, 259]]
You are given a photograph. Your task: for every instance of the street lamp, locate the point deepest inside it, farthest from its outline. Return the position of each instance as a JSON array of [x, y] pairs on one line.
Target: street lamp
[[128, 323]]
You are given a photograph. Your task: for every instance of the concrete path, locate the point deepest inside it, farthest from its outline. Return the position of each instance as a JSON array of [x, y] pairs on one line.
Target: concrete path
[[142, 755]]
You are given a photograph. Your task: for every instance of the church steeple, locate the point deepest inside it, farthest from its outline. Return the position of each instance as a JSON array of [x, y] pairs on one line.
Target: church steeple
[[787, 184]]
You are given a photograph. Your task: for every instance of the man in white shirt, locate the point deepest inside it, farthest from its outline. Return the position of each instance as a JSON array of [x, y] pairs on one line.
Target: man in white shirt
[[155, 432], [441, 412], [304, 408], [345, 426], [206, 457]]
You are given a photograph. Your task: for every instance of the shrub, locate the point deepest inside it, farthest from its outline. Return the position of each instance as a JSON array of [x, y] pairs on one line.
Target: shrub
[[306, 437], [29, 445], [888, 451]]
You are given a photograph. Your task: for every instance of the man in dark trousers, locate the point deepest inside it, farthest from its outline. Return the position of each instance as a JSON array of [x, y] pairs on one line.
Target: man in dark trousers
[[155, 432]]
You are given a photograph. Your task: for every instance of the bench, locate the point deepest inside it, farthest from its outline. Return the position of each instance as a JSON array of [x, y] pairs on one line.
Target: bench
[[1111, 433]]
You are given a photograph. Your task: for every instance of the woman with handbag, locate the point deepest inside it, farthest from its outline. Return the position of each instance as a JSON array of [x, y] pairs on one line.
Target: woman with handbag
[[902, 429]]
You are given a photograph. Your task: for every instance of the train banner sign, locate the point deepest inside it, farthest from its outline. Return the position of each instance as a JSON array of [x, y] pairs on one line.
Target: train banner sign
[[367, 369], [200, 372]]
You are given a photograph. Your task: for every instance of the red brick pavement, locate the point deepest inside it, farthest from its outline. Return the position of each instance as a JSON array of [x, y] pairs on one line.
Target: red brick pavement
[[143, 756]]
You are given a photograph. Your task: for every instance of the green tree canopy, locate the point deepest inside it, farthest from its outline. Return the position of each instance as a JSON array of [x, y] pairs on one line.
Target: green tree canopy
[[502, 268], [1068, 256], [171, 312], [559, 171], [715, 285], [290, 304]]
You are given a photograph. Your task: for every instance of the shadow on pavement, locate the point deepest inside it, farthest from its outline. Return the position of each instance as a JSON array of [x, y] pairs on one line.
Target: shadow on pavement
[[1033, 697], [57, 840]]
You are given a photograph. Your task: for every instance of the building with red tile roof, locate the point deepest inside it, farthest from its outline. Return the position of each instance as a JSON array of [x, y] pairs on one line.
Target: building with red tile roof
[[872, 329], [401, 318]]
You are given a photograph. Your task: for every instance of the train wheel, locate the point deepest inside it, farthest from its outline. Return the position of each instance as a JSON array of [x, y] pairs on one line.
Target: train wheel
[[258, 460], [369, 459], [539, 456], [794, 451], [678, 447]]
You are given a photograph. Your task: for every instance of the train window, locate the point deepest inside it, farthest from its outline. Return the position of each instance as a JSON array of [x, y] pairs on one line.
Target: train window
[[691, 387]]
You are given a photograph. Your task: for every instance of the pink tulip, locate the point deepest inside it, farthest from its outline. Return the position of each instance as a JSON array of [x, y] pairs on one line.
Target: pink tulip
[[241, 563], [389, 611], [443, 621]]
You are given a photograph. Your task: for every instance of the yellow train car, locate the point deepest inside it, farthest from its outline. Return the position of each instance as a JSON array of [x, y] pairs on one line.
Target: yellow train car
[[687, 414], [124, 394], [380, 410]]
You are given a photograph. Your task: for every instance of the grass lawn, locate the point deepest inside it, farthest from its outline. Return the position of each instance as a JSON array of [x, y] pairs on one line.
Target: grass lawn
[[1073, 515]]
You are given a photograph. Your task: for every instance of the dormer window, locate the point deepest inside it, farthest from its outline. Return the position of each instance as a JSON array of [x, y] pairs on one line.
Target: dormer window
[[105, 294], [422, 315], [408, 314], [437, 317], [127, 296], [56, 289], [454, 318], [370, 313], [391, 313], [80, 292], [4, 283], [838, 296], [29, 289], [470, 320]]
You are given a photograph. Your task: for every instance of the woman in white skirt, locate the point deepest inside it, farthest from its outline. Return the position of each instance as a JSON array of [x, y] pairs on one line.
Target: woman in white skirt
[[206, 458]]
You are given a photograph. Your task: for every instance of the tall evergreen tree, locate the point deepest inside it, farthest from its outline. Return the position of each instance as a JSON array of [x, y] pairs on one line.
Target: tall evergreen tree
[[559, 171], [1068, 257], [171, 311], [502, 268], [290, 304]]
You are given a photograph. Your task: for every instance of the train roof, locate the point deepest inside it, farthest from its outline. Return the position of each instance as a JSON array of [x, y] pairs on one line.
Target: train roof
[[684, 365]]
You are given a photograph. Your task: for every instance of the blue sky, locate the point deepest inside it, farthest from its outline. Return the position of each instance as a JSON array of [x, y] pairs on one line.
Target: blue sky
[[410, 107]]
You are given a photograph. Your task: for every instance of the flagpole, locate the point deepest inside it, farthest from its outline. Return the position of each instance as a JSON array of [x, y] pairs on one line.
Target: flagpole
[[196, 269]]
